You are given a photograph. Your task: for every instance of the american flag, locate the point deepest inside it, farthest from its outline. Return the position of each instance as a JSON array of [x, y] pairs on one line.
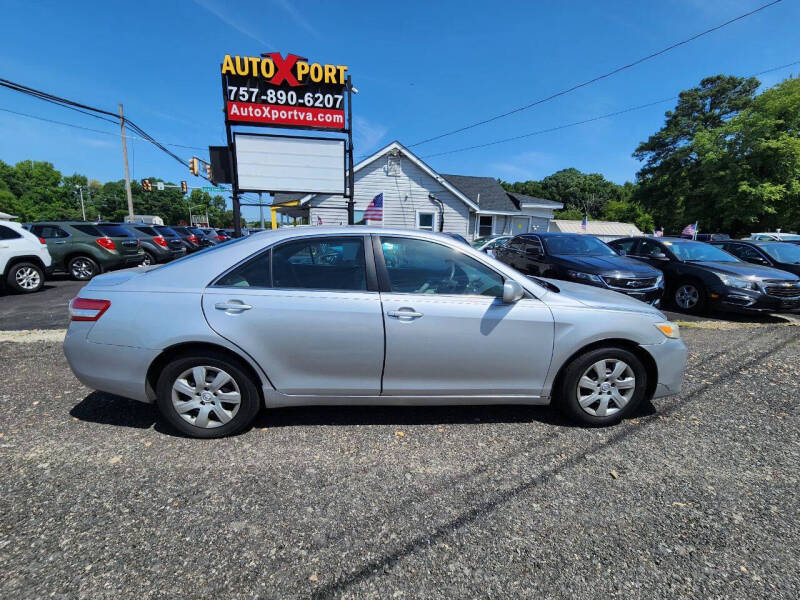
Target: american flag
[[374, 211], [585, 223], [690, 229], [659, 232], [319, 220]]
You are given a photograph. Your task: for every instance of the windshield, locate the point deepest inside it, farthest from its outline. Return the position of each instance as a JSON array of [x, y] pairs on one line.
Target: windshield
[[577, 246], [782, 252], [692, 251]]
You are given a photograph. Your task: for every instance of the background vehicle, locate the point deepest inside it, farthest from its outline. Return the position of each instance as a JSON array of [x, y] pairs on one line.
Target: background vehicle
[[225, 234], [487, 244], [157, 249], [188, 237], [456, 236], [699, 275], [398, 317], [583, 259], [212, 236], [775, 237], [24, 258], [174, 240], [779, 255], [83, 250], [706, 237]]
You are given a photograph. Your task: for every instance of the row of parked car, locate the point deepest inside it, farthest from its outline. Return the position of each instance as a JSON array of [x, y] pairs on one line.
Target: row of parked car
[[81, 249], [753, 275]]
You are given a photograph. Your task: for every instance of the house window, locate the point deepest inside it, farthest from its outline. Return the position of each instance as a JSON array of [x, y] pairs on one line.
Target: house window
[[485, 225], [425, 220]]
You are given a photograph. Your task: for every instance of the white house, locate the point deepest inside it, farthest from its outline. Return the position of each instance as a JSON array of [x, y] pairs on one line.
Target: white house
[[417, 197]]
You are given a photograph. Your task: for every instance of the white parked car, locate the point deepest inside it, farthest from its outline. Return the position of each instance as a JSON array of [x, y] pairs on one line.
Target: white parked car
[[24, 258], [774, 237]]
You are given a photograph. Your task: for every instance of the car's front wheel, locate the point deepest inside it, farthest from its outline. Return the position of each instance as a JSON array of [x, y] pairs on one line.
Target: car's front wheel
[[602, 386], [207, 396], [690, 296], [25, 278]]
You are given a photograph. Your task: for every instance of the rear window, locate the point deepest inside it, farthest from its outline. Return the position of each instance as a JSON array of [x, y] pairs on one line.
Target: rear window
[[6, 233], [89, 230], [147, 230], [164, 230], [114, 230]]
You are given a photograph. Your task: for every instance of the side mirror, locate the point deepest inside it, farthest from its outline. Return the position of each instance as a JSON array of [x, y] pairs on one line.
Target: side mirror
[[622, 252], [512, 292], [659, 256]]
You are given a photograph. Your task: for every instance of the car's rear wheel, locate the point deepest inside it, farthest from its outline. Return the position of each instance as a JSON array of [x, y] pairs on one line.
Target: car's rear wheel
[[602, 386], [82, 268], [148, 259], [25, 278], [690, 296], [207, 396]]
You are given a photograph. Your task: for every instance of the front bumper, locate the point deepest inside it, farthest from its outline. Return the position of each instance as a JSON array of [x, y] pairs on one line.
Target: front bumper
[[751, 301], [670, 359]]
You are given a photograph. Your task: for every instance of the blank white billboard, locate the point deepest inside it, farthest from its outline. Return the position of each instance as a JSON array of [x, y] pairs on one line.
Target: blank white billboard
[[289, 164]]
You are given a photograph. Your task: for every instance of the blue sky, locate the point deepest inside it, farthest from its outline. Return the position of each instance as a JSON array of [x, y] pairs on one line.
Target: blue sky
[[421, 68]]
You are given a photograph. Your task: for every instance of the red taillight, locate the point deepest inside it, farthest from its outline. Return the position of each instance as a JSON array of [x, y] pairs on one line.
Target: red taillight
[[43, 241], [106, 243], [192, 238], [221, 238], [160, 241], [87, 309]]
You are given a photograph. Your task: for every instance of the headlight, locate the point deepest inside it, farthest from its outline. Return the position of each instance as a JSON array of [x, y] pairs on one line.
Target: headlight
[[669, 329], [585, 277], [737, 282]]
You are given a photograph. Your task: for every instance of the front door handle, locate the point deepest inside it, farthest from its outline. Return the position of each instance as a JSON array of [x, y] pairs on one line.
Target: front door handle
[[61, 242], [232, 305], [404, 313]]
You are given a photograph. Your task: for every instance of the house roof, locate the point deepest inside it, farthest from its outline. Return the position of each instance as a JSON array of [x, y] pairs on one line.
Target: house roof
[[595, 227]]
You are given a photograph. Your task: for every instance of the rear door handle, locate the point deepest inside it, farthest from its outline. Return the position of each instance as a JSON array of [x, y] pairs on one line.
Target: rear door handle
[[404, 313], [232, 306], [61, 242]]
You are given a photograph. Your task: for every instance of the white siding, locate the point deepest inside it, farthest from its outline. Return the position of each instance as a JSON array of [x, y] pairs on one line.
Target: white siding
[[404, 195]]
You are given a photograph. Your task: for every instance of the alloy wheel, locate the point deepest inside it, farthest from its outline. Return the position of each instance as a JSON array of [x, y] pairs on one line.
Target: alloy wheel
[[27, 278], [687, 296], [82, 268], [206, 397], [146, 261], [606, 387]]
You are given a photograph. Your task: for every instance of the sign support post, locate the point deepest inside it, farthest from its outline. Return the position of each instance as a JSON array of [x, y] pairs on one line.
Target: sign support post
[[351, 204]]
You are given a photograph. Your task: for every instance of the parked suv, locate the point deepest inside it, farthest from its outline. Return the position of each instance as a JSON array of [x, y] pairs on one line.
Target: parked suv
[[157, 249], [83, 250], [582, 259], [188, 237], [779, 255], [24, 258], [699, 275]]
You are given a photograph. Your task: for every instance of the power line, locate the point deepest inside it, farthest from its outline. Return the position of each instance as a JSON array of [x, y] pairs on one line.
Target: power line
[[589, 120], [596, 79]]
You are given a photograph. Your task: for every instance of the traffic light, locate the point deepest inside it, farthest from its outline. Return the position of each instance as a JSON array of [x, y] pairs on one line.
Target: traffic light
[[146, 185], [184, 187], [208, 172], [194, 166]]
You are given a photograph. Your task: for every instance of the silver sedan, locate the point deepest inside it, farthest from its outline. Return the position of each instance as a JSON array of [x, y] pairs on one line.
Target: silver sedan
[[362, 315]]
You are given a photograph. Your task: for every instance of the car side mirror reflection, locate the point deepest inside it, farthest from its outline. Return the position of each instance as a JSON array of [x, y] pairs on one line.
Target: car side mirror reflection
[[659, 256], [622, 252], [512, 292]]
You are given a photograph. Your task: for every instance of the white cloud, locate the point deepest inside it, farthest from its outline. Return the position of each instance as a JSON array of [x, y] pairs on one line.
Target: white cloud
[[295, 15], [367, 135], [240, 25], [528, 165]]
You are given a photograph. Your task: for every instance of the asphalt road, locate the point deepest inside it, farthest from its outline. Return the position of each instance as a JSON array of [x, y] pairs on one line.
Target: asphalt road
[[46, 309], [697, 496]]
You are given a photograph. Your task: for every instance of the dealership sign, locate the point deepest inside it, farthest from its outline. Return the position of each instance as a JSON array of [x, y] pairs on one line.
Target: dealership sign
[[275, 91]]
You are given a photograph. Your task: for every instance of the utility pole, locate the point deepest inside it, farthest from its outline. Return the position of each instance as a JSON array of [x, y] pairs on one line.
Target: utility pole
[[83, 209], [260, 211], [125, 159]]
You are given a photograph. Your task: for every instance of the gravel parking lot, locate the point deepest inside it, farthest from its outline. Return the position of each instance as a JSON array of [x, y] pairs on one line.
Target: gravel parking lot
[[697, 496]]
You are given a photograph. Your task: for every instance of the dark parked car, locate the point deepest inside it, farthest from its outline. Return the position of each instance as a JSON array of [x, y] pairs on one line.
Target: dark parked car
[[174, 240], [780, 255], [157, 249], [189, 238], [707, 237], [699, 275], [83, 250], [212, 236], [456, 236], [582, 259]]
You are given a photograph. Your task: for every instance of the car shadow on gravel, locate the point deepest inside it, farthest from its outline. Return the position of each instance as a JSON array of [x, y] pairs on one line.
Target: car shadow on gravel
[[108, 409]]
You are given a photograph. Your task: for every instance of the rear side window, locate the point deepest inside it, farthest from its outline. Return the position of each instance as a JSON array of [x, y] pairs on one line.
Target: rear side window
[[6, 233], [89, 230], [254, 273], [147, 231], [320, 264], [168, 231], [114, 230], [48, 232]]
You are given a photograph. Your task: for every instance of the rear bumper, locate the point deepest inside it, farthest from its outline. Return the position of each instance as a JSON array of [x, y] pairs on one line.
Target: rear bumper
[[120, 370], [670, 358]]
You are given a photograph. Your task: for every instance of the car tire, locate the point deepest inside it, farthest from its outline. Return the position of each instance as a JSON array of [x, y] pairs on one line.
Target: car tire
[[199, 410], [592, 398], [82, 268], [25, 278], [690, 296], [148, 259]]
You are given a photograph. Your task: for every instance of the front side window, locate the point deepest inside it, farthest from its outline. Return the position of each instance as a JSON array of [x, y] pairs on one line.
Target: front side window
[[626, 245], [699, 251], [425, 221], [783, 252], [485, 223], [423, 267], [324, 263], [6, 233], [48, 232], [649, 248]]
